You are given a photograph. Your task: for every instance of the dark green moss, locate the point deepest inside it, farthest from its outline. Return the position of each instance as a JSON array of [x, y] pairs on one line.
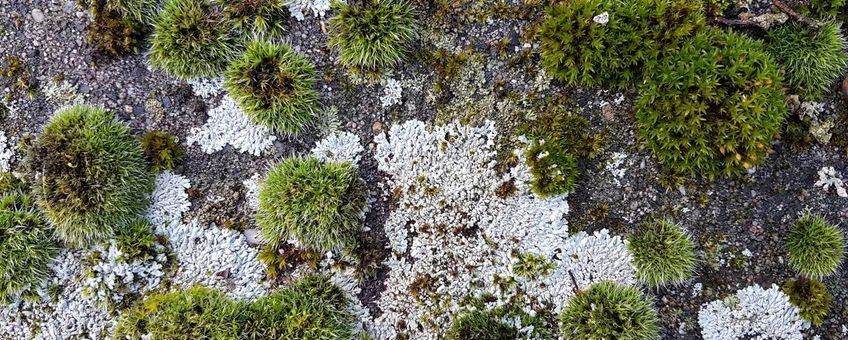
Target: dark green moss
[[554, 169], [482, 324], [811, 297], [161, 150]]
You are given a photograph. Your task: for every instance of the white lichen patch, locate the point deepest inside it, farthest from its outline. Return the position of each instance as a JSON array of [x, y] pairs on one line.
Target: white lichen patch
[[61, 92], [339, 146], [753, 313], [251, 191], [114, 274], [206, 88], [6, 153], [452, 236], [217, 258], [828, 178], [169, 200], [205, 255], [615, 167], [392, 92], [228, 124], [299, 8], [63, 310]]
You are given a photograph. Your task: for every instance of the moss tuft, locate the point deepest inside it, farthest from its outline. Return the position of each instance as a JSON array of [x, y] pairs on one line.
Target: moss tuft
[[608, 310], [274, 86], [373, 36], [320, 204], [27, 245], [554, 170], [662, 254], [256, 18], [812, 58], [815, 247], [90, 174], [579, 50], [161, 150], [495, 324], [811, 298], [713, 107], [313, 308], [191, 39]]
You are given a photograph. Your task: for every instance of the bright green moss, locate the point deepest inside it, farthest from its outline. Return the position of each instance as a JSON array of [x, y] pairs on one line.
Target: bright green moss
[[191, 39], [812, 58], [713, 107], [583, 51], [91, 175], [161, 150], [312, 309], [27, 245], [815, 247], [608, 310], [811, 298], [374, 35], [274, 86], [662, 254], [317, 203]]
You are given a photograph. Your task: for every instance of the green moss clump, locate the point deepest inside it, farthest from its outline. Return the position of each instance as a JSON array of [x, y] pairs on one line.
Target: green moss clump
[[27, 245], [161, 150], [813, 58], [662, 254], [581, 51], [137, 240], [313, 308], [317, 203], [713, 107], [815, 247], [570, 130], [274, 86], [811, 298], [490, 325], [90, 174], [191, 39], [256, 18], [608, 310], [554, 169], [374, 36]]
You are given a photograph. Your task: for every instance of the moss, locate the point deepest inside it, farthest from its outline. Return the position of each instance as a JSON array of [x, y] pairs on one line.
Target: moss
[[608, 310], [320, 204], [91, 176], [112, 33], [811, 297], [815, 247], [191, 39], [712, 108], [27, 245], [580, 51], [812, 58], [492, 324], [161, 150], [274, 86], [571, 130], [530, 265], [264, 19], [372, 36], [554, 169], [312, 309], [662, 254]]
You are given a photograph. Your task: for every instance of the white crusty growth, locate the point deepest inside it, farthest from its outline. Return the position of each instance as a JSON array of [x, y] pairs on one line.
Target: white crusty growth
[[753, 313]]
